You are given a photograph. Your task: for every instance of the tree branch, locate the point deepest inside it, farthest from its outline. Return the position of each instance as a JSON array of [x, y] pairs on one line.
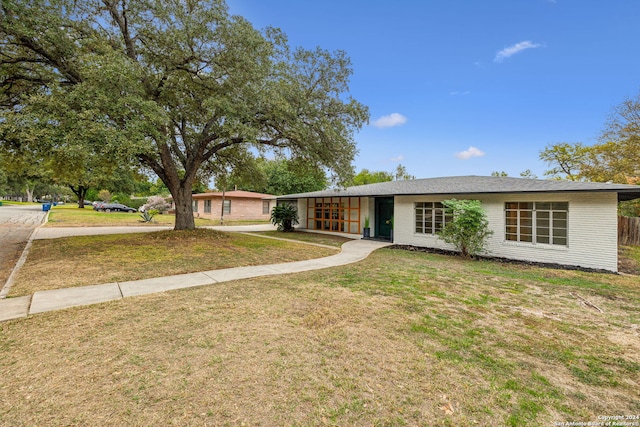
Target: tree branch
[[123, 24]]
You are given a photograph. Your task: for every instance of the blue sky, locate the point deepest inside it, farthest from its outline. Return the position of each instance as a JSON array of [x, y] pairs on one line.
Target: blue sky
[[467, 87]]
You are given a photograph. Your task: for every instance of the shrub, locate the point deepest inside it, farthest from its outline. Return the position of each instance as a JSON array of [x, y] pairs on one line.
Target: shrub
[[147, 215], [157, 203], [468, 228], [285, 217], [104, 195]]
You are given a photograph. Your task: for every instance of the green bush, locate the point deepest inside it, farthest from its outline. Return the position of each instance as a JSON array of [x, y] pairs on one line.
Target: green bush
[[285, 217], [468, 228]]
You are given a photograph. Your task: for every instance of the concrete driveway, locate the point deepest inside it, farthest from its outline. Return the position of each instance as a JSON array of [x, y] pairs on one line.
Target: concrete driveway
[[17, 222]]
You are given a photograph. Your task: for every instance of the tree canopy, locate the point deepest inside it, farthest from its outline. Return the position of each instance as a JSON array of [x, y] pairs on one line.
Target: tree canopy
[[365, 176], [616, 156], [175, 86]]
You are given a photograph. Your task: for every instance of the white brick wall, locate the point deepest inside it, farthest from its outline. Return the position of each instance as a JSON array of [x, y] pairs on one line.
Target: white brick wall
[[592, 223]]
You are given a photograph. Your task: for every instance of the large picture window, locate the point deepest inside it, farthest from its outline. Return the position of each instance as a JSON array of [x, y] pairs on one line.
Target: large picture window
[[430, 217], [340, 214], [537, 222]]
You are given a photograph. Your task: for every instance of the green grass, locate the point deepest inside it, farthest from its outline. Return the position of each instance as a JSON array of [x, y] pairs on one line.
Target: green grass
[[72, 216]]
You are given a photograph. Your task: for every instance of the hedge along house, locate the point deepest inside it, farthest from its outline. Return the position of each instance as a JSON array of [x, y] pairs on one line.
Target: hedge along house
[[543, 221], [235, 205]]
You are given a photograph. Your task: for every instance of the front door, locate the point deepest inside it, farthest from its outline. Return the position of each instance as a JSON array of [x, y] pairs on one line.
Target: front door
[[384, 215]]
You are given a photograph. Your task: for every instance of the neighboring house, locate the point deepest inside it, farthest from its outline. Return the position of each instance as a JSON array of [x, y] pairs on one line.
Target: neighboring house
[[544, 221], [238, 205]]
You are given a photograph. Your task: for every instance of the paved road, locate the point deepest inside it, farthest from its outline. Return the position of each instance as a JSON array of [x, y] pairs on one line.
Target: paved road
[[17, 222]]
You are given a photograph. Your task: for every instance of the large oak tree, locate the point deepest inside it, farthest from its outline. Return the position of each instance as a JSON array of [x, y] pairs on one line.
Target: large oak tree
[[175, 85]]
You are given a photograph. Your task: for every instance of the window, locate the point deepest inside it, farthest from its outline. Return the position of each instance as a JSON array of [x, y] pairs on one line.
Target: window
[[207, 206], [226, 207], [539, 222], [195, 206], [265, 206], [340, 214], [430, 217]]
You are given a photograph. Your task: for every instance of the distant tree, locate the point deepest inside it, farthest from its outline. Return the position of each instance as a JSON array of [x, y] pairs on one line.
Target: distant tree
[[50, 140], [401, 174], [468, 228], [104, 195], [501, 173], [616, 157], [365, 176], [566, 160], [293, 177], [528, 174], [26, 168]]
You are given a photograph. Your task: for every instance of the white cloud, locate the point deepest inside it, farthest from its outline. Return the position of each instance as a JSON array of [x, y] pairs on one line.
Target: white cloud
[[469, 153], [397, 158], [512, 50], [393, 119]]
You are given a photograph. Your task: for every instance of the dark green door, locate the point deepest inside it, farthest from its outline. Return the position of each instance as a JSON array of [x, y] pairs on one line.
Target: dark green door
[[384, 213]]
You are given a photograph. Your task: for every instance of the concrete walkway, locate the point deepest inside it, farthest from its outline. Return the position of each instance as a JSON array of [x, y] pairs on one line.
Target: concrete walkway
[[42, 301]]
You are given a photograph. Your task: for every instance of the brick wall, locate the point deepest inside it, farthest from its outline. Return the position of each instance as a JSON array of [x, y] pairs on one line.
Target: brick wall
[[241, 209]]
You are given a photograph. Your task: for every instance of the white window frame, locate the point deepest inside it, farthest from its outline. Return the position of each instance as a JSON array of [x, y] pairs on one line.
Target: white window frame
[[436, 211]]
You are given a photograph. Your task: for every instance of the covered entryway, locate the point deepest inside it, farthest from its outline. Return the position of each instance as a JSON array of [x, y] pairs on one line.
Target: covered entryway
[[384, 217]]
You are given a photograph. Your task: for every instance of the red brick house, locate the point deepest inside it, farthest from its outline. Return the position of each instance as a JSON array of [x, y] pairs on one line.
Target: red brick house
[[238, 205]]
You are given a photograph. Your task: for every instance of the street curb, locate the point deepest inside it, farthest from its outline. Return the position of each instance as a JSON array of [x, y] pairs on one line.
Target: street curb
[[23, 258]]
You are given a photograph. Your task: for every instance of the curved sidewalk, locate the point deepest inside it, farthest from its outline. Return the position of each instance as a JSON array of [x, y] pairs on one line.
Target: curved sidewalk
[[57, 299]]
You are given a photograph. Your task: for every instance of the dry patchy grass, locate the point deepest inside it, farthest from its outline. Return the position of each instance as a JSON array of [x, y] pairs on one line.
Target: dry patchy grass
[[89, 260], [629, 259], [401, 338]]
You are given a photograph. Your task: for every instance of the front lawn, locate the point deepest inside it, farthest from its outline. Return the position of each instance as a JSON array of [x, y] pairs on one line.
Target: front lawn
[[91, 260], [401, 338]]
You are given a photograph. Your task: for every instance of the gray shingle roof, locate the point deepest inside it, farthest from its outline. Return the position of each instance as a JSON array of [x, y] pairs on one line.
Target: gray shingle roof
[[473, 185]]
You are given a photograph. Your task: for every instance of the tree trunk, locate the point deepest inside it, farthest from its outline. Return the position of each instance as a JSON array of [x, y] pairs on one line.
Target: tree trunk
[[182, 200], [81, 192], [29, 192]]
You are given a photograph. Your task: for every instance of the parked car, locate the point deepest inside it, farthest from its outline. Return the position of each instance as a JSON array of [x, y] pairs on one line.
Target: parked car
[[113, 207]]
